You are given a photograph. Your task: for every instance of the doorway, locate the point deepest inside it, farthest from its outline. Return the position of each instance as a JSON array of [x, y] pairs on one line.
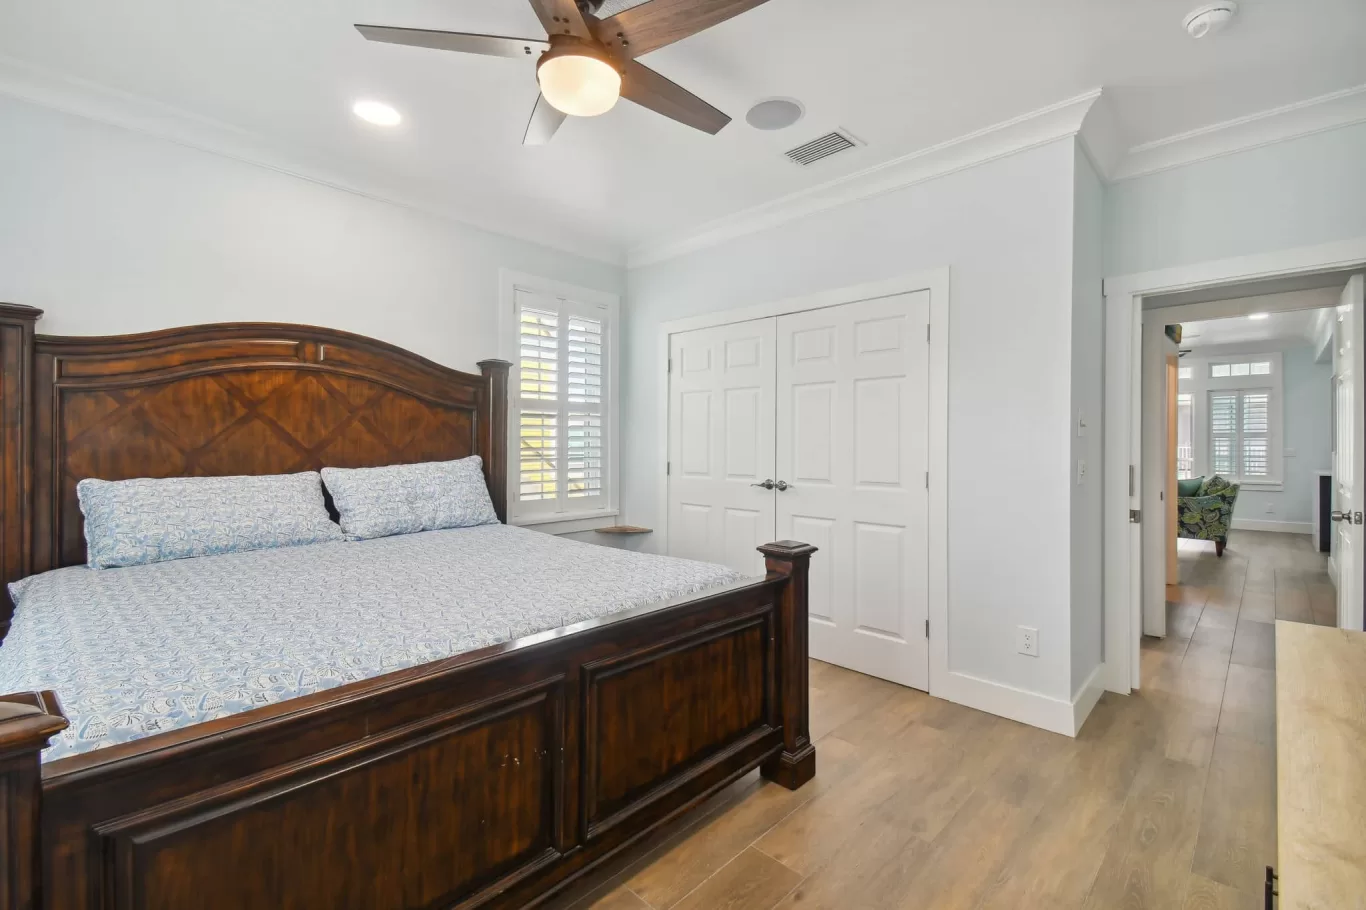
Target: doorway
[[1140, 415], [819, 423]]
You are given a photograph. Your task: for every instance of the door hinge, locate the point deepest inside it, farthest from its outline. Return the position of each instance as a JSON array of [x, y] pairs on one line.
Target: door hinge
[[927, 480], [927, 628], [670, 367], [927, 333], [668, 468], [1131, 480]]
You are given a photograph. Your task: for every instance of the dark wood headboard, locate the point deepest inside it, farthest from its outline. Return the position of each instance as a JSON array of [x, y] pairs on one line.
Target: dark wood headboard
[[212, 400]]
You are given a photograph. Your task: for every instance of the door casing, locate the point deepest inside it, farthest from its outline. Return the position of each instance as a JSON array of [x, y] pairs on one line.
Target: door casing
[[1123, 458]]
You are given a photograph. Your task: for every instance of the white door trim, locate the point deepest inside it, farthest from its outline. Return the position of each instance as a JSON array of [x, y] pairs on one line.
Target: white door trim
[[1123, 380], [936, 281]]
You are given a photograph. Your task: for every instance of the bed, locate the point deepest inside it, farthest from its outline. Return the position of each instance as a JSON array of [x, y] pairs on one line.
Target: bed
[[478, 725]]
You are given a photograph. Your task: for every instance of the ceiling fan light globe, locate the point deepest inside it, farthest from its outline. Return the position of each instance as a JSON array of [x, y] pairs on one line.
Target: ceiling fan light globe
[[579, 84]]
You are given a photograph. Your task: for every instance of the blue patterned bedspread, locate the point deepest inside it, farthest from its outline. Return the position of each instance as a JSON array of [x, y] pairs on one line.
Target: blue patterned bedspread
[[145, 649]]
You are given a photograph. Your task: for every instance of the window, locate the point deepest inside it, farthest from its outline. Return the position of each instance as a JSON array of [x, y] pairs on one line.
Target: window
[[1240, 434], [1185, 433], [1228, 370], [562, 407], [1183, 372], [1229, 409]]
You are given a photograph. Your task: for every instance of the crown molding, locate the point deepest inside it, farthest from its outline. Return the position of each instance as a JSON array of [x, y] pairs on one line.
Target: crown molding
[[1313, 115], [1102, 136], [1036, 128], [124, 110]]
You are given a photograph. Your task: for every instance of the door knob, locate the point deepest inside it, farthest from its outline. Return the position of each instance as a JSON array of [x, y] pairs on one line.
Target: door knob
[[1335, 515], [782, 485], [767, 484]]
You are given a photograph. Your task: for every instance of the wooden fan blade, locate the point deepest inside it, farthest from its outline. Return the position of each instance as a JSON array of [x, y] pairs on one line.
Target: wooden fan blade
[[464, 42], [545, 120], [647, 88], [561, 17], [653, 25]]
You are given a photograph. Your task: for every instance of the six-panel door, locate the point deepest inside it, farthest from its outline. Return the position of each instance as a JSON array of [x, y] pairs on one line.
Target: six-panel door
[[852, 420], [721, 444], [833, 405]]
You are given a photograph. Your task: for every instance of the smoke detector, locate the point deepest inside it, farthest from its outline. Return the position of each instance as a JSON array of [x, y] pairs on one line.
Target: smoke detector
[[1211, 18]]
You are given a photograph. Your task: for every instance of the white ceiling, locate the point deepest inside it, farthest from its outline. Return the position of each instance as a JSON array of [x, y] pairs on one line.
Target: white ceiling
[[901, 75], [1286, 326]]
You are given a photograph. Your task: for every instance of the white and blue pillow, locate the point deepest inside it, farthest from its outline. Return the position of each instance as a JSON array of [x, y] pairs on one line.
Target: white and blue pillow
[[135, 522], [405, 499]]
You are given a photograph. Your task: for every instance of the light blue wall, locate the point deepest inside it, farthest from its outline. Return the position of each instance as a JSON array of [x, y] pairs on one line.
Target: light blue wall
[[1301, 192], [1306, 387], [1088, 344], [1004, 228]]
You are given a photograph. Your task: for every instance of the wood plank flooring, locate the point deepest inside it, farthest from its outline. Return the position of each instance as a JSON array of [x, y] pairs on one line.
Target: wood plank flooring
[[1165, 800]]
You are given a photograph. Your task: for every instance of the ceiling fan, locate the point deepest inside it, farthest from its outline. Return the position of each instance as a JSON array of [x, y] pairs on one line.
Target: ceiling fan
[[586, 63]]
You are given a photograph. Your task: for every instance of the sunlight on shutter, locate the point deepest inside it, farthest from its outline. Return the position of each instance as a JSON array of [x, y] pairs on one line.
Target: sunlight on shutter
[[539, 333], [538, 475], [584, 379]]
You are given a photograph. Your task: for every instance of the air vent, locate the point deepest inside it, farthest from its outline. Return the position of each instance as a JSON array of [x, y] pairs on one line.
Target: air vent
[[817, 149]]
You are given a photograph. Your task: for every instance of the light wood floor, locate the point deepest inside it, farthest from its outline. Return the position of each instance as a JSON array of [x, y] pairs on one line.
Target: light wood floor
[[1164, 801]]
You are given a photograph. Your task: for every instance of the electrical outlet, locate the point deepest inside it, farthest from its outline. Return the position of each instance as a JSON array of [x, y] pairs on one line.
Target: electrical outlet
[[1027, 640], [1270, 509]]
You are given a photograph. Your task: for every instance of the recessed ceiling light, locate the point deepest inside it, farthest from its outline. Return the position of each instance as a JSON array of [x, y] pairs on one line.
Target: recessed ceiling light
[[377, 112], [1258, 315], [775, 114], [1209, 19]]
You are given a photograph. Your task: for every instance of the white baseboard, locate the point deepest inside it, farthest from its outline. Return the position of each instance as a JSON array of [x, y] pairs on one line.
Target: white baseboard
[[1086, 697], [1043, 711], [1284, 527]]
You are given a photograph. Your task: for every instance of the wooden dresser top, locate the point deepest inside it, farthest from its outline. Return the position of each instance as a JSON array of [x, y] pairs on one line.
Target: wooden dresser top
[[1321, 767]]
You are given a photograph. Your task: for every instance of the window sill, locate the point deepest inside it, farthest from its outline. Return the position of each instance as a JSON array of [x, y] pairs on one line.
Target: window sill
[[568, 522], [1260, 486]]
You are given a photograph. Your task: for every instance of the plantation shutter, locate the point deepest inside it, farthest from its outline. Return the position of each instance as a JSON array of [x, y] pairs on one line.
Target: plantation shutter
[[1256, 435], [561, 406], [1223, 423], [1240, 434]]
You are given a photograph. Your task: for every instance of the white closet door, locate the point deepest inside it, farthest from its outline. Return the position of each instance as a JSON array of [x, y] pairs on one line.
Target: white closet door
[[721, 444], [853, 421]]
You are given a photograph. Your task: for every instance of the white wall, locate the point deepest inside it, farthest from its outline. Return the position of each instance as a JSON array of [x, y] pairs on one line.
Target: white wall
[[1088, 307], [1005, 230], [1296, 193], [112, 231]]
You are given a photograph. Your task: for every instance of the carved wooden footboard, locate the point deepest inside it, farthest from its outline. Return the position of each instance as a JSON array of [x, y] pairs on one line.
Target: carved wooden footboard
[[489, 779], [492, 778]]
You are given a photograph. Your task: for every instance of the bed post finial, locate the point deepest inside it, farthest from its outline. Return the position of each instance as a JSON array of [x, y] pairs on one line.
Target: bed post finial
[[493, 435], [16, 444], [27, 722], [796, 764]]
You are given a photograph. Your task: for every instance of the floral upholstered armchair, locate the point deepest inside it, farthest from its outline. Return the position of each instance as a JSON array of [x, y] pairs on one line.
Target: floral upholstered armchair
[[1205, 509]]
